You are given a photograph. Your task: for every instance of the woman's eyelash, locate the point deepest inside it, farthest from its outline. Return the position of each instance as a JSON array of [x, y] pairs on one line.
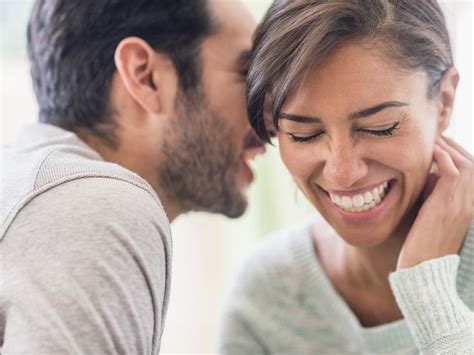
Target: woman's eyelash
[[379, 133], [298, 139], [382, 132]]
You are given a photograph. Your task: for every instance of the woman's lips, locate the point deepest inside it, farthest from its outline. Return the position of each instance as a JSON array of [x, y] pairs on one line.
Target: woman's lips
[[364, 206]]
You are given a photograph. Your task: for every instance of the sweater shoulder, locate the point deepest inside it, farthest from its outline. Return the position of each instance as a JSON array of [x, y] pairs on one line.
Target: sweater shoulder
[[276, 266], [34, 170]]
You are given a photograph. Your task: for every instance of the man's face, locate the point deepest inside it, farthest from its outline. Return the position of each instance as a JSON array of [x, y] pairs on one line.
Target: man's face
[[207, 146]]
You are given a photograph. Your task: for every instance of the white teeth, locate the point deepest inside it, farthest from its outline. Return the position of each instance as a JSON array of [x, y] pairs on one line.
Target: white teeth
[[361, 202], [346, 202], [368, 197], [358, 201], [377, 199], [375, 193]]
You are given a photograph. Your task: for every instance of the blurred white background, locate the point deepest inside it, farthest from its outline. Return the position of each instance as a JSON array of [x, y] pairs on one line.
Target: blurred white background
[[208, 248]]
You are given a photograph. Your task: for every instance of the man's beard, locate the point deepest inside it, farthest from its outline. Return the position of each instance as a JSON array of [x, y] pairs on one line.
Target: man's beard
[[200, 164]]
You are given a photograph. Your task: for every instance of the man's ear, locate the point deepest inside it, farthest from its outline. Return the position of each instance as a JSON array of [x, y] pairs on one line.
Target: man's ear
[[447, 93], [136, 64]]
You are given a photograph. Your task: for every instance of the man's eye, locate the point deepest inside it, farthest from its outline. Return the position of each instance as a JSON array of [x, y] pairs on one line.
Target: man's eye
[[304, 139], [381, 132]]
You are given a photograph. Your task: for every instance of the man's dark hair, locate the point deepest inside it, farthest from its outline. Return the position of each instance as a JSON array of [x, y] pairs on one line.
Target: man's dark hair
[[71, 46]]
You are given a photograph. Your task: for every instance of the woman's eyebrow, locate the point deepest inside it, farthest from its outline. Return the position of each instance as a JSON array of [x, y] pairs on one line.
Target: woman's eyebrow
[[352, 116], [299, 118], [375, 109]]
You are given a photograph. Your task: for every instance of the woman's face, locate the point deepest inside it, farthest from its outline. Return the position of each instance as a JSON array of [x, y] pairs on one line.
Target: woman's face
[[358, 135]]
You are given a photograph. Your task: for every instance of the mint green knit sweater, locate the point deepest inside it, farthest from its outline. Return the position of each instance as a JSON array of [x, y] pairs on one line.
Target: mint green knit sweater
[[283, 303]]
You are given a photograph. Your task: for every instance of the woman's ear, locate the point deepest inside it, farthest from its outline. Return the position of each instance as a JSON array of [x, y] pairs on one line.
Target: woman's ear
[[447, 93], [136, 63]]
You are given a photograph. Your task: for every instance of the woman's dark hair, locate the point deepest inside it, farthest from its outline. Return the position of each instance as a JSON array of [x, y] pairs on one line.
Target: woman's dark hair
[[295, 35], [71, 46]]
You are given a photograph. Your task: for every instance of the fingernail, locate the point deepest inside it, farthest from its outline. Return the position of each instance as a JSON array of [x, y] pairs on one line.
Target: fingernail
[[434, 168]]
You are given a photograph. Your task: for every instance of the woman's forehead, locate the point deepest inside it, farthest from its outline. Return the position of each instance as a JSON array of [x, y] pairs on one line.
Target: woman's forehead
[[355, 75]]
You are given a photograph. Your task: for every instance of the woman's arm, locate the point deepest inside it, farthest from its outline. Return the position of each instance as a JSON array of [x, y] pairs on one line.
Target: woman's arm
[[424, 284], [440, 322]]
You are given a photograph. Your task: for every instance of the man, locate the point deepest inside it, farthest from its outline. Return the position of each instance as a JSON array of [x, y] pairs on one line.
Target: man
[[143, 119]]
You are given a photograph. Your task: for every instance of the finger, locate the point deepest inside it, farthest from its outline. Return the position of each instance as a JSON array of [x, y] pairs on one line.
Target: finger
[[460, 181], [462, 162], [452, 188], [458, 147], [430, 184], [446, 166]]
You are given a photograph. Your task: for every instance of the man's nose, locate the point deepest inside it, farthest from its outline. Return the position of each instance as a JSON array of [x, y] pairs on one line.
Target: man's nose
[[344, 166]]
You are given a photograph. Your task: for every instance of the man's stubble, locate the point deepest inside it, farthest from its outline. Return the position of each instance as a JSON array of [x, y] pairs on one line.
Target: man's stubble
[[200, 162]]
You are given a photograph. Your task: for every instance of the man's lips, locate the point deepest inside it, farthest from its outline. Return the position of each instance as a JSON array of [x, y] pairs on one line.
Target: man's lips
[[249, 154], [252, 147]]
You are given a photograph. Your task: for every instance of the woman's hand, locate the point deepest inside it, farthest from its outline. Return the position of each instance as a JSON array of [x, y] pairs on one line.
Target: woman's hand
[[443, 220]]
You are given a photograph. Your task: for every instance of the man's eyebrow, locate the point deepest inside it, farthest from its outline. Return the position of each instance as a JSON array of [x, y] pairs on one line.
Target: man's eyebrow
[[300, 118], [375, 109]]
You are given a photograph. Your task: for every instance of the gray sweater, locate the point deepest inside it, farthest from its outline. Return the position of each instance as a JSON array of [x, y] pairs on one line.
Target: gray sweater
[[283, 303], [85, 251]]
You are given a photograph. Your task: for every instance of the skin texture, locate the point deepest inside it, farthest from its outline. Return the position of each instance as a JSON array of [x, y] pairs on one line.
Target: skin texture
[[192, 150], [215, 136], [358, 256]]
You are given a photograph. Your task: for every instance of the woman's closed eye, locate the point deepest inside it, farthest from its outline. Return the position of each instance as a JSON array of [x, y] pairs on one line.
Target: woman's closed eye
[[381, 132], [303, 138], [378, 132]]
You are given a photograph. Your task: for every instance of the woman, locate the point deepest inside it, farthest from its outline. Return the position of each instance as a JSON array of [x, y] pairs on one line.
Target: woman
[[359, 93]]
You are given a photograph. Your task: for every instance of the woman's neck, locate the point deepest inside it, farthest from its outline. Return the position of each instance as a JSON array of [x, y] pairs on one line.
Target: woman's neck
[[370, 267], [360, 275], [359, 267]]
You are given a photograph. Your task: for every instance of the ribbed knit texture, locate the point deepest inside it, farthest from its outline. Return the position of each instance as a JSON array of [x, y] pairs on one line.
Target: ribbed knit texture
[[427, 295], [284, 303]]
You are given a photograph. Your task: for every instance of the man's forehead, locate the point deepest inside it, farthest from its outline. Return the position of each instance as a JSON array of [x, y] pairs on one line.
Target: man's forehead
[[231, 41], [232, 17]]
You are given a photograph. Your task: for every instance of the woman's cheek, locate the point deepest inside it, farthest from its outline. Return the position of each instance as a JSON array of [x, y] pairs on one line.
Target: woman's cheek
[[299, 158]]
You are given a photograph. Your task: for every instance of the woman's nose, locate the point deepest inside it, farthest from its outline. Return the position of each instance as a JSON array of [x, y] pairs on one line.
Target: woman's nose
[[344, 166]]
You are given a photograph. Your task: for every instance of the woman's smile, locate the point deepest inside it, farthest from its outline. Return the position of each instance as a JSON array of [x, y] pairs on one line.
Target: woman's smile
[[361, 205]]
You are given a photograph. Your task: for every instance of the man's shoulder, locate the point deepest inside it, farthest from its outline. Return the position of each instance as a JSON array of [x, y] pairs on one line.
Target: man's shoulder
[[91, 207], [87, 250], [31, 172], [105, 180]]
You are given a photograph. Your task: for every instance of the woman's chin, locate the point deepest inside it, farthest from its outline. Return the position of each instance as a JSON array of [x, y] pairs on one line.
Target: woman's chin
[[363, 235], [363, 240]]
